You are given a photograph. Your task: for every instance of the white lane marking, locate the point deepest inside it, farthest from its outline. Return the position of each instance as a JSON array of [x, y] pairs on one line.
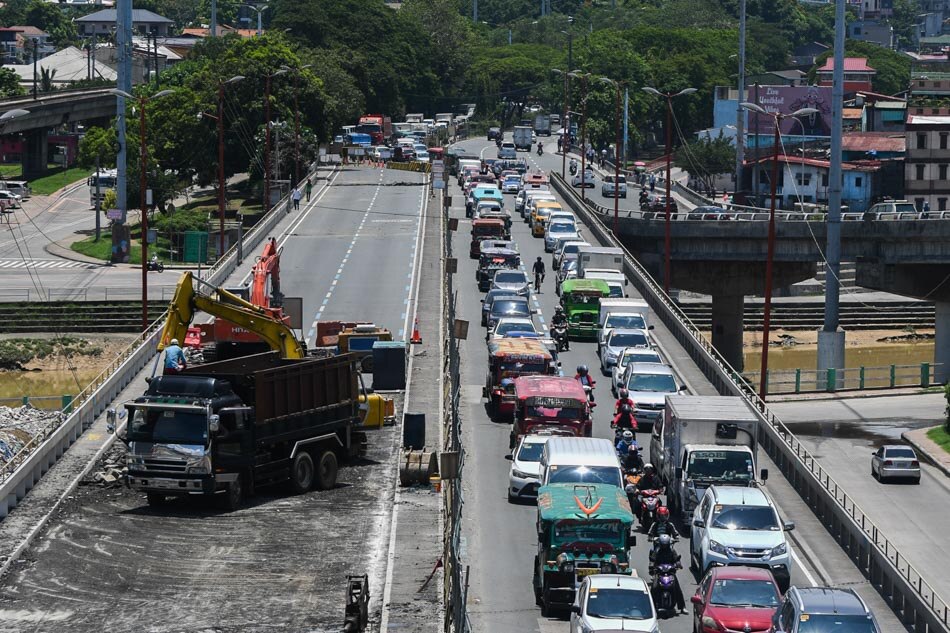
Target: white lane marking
[[801, 565]]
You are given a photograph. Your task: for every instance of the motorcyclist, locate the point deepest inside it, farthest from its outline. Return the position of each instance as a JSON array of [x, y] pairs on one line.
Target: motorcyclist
[[623, 397], [666, 555], [632, 461], [583, 376], [573, 166], [650, 480], [626, 441], [662, 525], [560, 321], [540, 148]]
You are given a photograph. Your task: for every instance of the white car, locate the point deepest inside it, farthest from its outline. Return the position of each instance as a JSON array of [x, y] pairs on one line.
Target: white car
[[628, 356], [559, 229], [525, 474], [9, 196], [566, 248], [507, 150], [607, 188], [735, 525], [583, 179], [511, 184], [630, 320], [618, 340], [507, 325], [613, 602]]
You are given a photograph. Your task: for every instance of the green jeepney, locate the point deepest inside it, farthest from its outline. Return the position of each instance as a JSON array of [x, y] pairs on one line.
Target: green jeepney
[[583, 529], [581, 301]]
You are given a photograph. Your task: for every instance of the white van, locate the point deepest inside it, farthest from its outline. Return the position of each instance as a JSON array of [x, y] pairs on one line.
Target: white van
[[19, 187], [580, 460]]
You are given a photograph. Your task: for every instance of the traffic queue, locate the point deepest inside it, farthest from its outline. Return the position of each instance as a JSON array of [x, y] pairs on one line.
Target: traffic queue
[[596, 496]]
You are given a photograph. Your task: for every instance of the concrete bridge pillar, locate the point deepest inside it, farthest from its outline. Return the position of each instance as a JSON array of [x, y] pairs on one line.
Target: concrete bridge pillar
[[34, 158], [942, 342], [727, 313]]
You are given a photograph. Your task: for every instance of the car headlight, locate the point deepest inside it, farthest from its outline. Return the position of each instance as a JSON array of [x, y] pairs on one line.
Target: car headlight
[[655, 629], [778, 550], [565, 562], [710, 623], [717, 547], [520, 474], [199, 467]]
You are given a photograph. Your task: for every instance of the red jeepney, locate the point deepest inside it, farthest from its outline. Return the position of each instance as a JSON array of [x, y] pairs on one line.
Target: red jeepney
[[485, 229], [553, 404], [509, 358]]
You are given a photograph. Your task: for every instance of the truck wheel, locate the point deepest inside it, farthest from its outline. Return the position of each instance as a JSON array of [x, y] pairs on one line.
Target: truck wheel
[[233, 496], [155, 498], [301, 473], [326, 470]]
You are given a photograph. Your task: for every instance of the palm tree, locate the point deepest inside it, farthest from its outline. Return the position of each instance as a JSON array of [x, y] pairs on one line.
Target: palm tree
[[46, 79]]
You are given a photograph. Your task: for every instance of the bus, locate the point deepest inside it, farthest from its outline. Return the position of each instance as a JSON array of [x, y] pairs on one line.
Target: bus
[[106, 179]]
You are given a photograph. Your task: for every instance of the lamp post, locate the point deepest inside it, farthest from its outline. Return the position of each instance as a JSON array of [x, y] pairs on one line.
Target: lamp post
[[565, 131], [668, 240], [36, 43], [584, 77], [267, 81], [296, 72], [618, 85], [770, 256], [260, 10], [220, 125], [143, 167]]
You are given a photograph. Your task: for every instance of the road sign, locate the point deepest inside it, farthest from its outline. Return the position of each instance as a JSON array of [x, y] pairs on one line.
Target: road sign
[[114, 214]]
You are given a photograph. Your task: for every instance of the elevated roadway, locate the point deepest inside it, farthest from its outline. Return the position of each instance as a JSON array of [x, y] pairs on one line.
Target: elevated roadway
[[500, 539]]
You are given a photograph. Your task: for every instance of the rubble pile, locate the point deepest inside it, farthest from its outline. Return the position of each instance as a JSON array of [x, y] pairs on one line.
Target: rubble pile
[[18, 425]]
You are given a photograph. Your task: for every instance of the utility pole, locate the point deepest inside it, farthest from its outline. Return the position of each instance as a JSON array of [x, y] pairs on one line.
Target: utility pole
[[143, 167], [740, 113], [98, 200], [755, 163], [123, 40], [831, 338], [475, 11], [626, 124], [214, 19], [36, 41], [220, 169]]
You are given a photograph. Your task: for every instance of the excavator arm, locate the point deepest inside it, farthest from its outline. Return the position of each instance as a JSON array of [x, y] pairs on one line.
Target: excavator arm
[[230, 307]]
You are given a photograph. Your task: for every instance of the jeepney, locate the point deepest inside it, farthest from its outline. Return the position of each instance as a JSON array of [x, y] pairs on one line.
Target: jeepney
[[485, 229], [581, 301], [583, 529], [510, 358], [553, 404], [542, 211], [493, 259]]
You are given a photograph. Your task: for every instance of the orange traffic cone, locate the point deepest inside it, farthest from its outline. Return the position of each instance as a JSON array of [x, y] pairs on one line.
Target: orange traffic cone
[[416, 338]]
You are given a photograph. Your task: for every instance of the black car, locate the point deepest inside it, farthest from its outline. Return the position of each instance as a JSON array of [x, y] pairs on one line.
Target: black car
[[494, 133]]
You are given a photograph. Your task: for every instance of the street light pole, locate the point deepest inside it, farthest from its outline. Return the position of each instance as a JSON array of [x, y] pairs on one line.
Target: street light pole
[[668, 232], [584, 77], [617, 86], [565, 137], [267, 81], [296, 119]]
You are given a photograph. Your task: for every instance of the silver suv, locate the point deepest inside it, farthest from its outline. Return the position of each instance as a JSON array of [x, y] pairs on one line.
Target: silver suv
[[823, 609]]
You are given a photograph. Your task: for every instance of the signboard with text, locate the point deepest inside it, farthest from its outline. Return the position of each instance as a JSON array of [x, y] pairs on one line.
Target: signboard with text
[[788, 99]]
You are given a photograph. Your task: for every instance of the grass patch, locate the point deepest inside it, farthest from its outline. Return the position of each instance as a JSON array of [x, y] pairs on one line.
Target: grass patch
[[55, 181], [15, 352], [941, 437], [103, 248]]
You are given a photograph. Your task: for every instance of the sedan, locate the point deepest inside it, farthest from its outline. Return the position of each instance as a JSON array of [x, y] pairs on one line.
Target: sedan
[[489, 299], [616, 342], [583, 179], [557, 230], [895, 461], [511, 184], [516, 282], [507, 325], [629, 356], [610, 602], [508, 306], [735, 599], [525, 473], [9, 196]]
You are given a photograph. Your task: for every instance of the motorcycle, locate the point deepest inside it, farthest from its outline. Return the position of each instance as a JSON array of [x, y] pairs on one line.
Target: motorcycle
[[590, 396], [156, 266], [559, 334], [662, 587], [649, 502], [573, 169], [540, 150], [624, 420]]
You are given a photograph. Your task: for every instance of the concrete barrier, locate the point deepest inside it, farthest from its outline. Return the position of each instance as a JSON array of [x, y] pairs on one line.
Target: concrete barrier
[[910, 596]]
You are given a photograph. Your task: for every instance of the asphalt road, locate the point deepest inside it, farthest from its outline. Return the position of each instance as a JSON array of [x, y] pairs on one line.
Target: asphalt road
[[107, 562], [843, 434], [500, 540]]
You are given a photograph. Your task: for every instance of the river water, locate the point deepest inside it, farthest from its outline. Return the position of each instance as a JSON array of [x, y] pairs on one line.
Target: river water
[[864, 356]]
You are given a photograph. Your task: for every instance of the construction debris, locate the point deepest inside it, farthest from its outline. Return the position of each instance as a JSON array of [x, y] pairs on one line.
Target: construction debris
[[20, 425]]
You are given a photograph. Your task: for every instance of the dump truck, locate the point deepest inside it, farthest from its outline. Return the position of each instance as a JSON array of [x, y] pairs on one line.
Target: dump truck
[[704, 441]]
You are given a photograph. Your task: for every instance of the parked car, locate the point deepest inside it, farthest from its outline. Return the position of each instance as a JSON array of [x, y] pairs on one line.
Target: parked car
[[895, 461], [613, 602], [494, 133], [607, 187], [9, 196], [807, 609], [516, 282], [583, 179], [507, 150], [735, 599], [525, 473], [733, 525]]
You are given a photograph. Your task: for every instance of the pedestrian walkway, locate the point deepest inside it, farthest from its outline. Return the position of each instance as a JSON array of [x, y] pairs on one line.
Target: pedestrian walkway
[[43, 263]]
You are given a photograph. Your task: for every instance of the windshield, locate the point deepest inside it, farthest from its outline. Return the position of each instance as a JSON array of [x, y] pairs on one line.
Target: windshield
[[616, 291], [633, 322], [614, 602], [554, 413], [506, 307], [489, 229], [509, 370], [514, 326], [514, 277], [170, 426], [744, 518], [744, 593], [368, 128], [727, 465], [639, 357], [609, 475], [573, 531], [828, 623], [659, 383], [628, 339], [530, 452], [562, 227]]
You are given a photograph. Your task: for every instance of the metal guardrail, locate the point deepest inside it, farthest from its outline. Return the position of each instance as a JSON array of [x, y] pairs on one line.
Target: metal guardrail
[[848, 379], [105, 293], [27, 466], [892, 575]]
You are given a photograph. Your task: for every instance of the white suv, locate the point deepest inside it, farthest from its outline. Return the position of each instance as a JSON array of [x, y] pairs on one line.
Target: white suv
[[739, 526], [607, 187], [609, 602]]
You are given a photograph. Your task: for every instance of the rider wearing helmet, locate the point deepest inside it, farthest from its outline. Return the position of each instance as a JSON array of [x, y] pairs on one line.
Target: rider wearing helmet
[[583, 376], [666, 555], [650, 480], [626, 440], [632, 461], [559, 320], [623, 398], [662, 525]]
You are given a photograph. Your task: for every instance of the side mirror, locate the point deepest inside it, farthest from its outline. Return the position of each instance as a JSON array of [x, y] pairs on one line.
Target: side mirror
[[576, 608], [699, 523], [510, 457], [789, 526], [650, 327], [697, 599], [214, 423], [683, 388], [764, 474], [679, 473]]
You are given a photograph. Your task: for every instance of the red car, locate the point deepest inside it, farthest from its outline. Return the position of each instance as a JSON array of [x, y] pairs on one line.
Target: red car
[[735, 599]]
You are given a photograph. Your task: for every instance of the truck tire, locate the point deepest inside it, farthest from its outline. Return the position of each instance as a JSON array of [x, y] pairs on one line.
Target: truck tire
[[326, 470], [301, 473], [231, 499], [155, 498]]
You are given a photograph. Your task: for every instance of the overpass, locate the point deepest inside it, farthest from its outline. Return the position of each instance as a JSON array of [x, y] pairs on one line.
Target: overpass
[[49, 111], [723, 255]]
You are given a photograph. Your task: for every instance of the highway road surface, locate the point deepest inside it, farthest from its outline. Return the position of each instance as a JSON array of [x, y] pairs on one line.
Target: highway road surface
[[500, 538], [108, 562]]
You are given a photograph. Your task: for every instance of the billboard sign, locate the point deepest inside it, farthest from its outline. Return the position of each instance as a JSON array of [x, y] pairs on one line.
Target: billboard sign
[[788, 99]]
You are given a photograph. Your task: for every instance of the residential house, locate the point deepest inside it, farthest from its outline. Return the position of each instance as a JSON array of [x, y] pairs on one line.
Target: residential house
[[223, 29], [884, 116], [806, 180], [858, 76], [9, 49], [143, 21], [66, 66], [873, 31], [873, 146], [804, 56], [927, 165], [851, 119], [25, 43], [143, 61], [793, 77]]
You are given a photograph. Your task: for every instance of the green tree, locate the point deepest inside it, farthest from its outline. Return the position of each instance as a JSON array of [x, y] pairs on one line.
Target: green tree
[[706, 157], [903, 20], [53, 20], [10, 84], [101, 142], [46, 79]]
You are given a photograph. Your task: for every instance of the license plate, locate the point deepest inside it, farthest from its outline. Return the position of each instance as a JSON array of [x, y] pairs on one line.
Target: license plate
[[587, 571]]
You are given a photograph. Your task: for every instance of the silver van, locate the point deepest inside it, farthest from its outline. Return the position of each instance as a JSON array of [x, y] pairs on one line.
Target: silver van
[[19, 187], [580, 460]]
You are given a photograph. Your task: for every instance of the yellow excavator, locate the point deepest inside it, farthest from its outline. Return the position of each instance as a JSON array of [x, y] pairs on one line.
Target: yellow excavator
[[230, 307]]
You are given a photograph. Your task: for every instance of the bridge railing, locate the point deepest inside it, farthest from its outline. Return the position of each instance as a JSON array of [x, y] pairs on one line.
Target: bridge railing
[[790, 381], [910, 595]]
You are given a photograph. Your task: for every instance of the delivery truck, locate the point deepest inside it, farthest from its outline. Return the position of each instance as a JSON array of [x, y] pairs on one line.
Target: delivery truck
[[599, 258], [704, 441], [542, 125], [522, 137]]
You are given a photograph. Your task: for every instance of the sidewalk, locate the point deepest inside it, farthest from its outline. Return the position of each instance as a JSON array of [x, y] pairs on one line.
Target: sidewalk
[[849, 395], [929, 450]]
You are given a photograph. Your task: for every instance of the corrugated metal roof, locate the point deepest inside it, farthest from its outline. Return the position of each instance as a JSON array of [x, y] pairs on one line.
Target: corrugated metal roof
[[851, 113], [873, 141], [851, 65]]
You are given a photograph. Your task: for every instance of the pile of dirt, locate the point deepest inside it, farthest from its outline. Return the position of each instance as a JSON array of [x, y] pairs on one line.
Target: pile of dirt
[[21, 424]]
